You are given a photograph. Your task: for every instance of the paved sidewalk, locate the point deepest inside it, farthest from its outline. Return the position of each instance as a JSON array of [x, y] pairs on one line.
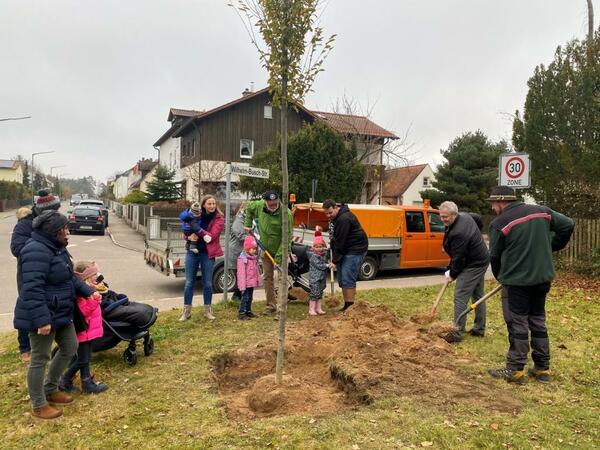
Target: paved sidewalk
[[123, 235]]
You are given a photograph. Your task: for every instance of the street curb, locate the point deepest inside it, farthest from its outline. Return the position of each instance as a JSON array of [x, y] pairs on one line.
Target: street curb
[[114, 241]]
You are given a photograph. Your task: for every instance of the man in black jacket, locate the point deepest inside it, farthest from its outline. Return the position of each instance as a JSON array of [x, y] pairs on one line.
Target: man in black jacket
[[349, 245], [469, 260]]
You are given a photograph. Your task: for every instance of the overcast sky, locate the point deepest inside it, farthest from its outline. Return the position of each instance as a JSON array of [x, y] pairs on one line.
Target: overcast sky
[[98, 78]]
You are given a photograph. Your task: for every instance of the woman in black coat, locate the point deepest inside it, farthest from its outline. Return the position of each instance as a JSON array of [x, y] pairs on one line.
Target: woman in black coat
[[45, 309]]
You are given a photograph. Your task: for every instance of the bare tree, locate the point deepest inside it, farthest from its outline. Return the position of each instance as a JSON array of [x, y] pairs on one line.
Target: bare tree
[[590, 8], [205, 175]]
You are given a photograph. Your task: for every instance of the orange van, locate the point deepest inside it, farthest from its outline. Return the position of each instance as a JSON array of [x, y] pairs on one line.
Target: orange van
[[400, 237]]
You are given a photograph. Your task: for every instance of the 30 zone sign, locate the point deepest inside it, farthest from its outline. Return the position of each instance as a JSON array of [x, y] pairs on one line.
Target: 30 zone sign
[[514, 170]]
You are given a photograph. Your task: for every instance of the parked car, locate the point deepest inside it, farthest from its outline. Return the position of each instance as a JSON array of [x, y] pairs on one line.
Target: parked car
[[86, 218], [75, 199], [98, 204]]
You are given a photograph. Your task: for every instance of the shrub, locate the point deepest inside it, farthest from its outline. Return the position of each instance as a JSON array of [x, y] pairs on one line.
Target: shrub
[[135, 196]]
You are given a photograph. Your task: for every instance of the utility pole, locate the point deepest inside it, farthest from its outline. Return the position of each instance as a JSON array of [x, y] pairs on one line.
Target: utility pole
[[32, 172]]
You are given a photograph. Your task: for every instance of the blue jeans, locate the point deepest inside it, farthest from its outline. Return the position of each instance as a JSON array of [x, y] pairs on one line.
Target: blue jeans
[[193, 261], [246, 302], [347, 270]]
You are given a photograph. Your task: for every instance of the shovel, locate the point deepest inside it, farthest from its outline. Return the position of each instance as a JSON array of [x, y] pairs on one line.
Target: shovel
[[474, 305], [331, 273], [439, 298]]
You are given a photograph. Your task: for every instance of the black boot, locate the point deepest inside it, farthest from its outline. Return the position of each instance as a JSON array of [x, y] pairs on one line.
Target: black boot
[[346, 306]]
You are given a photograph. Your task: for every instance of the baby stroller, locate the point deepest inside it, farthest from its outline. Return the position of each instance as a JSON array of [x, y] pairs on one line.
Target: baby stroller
[[124, 320], [297, 268]]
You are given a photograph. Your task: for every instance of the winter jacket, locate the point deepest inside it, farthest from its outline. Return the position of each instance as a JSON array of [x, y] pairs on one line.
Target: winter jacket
[[318, 268], [464, 243], [522, 239], [20, 235], [92, 313], [213, 229], [190, 223], [48, 287], [248, 275], [269, 227], [236, 239], [346, 235]]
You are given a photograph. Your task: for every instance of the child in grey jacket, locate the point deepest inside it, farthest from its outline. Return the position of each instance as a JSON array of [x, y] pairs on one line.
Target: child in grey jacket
[[317, 275]]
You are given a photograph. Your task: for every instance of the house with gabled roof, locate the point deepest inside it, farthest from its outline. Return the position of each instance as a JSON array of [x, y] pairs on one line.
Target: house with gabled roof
[[200, 143], [11, 170], [402, 184]]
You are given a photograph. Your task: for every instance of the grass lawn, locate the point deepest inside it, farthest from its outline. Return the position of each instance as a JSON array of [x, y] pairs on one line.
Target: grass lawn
[[169, 399]]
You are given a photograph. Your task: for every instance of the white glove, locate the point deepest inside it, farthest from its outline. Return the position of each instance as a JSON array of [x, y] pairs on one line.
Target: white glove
[[207, 238], [447, 275]]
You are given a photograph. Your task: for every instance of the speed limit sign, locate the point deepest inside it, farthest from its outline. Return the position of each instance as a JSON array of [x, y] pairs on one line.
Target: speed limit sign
[[514, 170]]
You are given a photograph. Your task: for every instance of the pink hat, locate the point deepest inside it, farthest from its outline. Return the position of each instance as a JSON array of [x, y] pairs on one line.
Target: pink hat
[[89, 271], [249, 242], [318, 239]]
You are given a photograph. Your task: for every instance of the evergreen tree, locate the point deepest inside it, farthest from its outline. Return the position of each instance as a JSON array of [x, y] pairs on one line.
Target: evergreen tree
[[315, 152], [163, 188], [560, 129], [469, 173]]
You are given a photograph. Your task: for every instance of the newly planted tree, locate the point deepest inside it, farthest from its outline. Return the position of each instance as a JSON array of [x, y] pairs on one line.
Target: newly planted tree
[[294, 52]]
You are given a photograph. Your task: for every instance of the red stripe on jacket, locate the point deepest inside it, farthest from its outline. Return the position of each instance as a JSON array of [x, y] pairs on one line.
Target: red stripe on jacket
[[527, 218]]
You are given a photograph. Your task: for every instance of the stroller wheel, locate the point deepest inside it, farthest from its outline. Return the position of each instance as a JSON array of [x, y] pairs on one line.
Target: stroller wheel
[[148, 346], [130, 357]]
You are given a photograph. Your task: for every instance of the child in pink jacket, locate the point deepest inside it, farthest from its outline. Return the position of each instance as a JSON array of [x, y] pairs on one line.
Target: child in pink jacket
[[248, 276], [86, 271]]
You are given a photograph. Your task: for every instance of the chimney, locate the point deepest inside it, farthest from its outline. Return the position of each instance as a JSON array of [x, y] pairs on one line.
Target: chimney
[[246, 92]]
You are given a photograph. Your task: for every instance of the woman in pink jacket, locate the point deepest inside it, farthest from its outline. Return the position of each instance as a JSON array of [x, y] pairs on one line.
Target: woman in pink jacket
[[86, 271], [208, 238], [248, 276]]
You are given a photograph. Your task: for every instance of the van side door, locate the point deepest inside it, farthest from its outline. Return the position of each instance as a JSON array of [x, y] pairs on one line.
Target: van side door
[[415, 242], [435, 247]]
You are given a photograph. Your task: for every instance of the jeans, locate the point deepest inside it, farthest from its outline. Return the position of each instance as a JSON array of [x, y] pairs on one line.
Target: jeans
[[41, 347], [23, 338], [82, 363], [469, 284], [193, 261], [246, 302], [347, 270]]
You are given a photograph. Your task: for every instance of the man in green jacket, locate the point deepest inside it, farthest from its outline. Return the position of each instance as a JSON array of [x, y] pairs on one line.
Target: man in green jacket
[[268, 212], [522, 239]]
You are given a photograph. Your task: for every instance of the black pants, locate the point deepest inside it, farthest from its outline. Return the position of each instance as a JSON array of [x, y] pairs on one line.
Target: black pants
[[524, 309], [24, 344], [82, 363]]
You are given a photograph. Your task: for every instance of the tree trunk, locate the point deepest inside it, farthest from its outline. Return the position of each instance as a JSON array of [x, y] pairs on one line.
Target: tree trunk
[[283, 291], [590, 7]]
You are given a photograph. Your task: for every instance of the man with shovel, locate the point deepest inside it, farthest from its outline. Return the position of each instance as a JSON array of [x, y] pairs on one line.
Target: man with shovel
[[522, 239], [469, 261]]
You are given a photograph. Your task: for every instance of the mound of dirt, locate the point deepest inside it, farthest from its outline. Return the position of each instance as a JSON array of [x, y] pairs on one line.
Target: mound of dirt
[[351, 359]]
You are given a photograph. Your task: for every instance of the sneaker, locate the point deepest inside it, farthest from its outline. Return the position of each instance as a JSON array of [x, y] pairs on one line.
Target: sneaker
[[541, 375], [251, 315], [243, 316], [511, 376], [477, 333], [453, 337], [269, 312]]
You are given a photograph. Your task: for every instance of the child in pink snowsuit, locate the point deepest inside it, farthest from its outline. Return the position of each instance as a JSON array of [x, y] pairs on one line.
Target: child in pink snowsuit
[[92, 314], [248, 276]]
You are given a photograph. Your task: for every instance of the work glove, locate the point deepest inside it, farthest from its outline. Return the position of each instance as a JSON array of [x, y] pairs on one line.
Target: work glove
[[207, 238]]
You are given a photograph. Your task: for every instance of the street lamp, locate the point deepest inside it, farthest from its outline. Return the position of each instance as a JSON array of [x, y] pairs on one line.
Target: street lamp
[[56, 167], [32, 169]]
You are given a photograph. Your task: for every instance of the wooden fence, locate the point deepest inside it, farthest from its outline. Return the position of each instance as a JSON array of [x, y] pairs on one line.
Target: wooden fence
[[585, 239]]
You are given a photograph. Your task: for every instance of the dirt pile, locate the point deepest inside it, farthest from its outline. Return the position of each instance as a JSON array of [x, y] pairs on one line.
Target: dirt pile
[[347, 360]]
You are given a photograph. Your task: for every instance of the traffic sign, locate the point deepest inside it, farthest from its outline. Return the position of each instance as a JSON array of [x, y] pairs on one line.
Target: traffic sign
[[514, 170], [247, 171]]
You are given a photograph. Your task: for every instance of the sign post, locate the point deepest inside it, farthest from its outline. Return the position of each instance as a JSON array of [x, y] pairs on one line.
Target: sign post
[[244, 171], [514, 170]]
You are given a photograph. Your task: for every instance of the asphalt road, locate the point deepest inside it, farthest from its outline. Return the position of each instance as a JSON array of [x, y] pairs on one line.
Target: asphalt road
[[126, 272]]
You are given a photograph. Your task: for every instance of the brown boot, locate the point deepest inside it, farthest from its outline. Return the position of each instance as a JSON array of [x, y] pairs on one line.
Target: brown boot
[[59, 398], [46, 412]]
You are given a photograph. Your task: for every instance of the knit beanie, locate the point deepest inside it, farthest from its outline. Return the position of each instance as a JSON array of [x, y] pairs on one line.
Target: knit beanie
[[196, 209], [318, 239], [50, 222], [249, 242], [89, 271], [46, 202]]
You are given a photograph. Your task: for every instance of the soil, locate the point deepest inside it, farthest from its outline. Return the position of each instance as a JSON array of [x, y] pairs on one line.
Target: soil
[[343, 361]]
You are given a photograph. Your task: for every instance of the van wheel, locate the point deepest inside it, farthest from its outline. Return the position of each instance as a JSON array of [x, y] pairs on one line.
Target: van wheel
[[368, 269], [219, 280]]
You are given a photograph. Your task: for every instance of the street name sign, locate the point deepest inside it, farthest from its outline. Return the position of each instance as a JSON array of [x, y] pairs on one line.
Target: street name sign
[[514, 170], [247, 171]]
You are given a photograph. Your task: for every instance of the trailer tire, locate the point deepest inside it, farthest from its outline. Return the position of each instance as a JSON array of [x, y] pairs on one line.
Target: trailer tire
[[368, 269], [219, 279]]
